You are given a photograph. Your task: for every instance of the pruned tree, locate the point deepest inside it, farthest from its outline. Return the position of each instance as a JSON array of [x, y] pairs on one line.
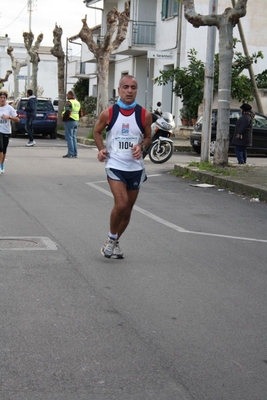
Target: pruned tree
[[58, 52], [5, 79], [225, 23], [32, 51], [188, 82], [117, 25], [16, 66]]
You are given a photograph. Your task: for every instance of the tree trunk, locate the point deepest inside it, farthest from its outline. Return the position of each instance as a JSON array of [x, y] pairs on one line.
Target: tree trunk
[[34, 56], [58, 52], [116, 23], [16, 66], [102, 83], [225, 23], [225, 59]]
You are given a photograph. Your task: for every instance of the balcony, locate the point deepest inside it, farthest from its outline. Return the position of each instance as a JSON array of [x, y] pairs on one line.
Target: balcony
[[143, 33], [140, 38]]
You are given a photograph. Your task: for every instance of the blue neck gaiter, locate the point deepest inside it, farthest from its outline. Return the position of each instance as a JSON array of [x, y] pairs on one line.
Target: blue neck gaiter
[[126, 106]]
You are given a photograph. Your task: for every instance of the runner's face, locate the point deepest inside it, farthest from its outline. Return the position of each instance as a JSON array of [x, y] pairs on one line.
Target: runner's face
[[128, 90], [2, 100]]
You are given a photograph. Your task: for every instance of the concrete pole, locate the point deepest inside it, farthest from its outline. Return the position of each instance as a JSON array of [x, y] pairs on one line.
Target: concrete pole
[[250, 68], [178, 52], [208, 86], [28, 58]]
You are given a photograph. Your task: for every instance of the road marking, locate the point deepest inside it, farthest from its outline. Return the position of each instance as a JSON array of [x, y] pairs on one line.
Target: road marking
[[170, 225]]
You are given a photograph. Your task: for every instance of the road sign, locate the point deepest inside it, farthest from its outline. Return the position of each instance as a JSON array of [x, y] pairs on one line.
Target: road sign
[[22, 77], [163, 55]]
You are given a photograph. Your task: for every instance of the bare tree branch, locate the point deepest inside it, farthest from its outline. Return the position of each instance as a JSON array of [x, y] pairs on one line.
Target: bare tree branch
[[5, 79]]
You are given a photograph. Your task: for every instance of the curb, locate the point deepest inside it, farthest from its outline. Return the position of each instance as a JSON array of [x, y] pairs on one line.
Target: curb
[[228, 183], [90, 142], [87, 142]]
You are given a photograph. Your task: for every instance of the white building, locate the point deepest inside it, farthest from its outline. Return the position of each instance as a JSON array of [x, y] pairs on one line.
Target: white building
[[158, 38], [158, 26], [47, 68]]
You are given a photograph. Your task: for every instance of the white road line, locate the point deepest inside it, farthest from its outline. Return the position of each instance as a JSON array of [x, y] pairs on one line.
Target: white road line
[[170, 225]]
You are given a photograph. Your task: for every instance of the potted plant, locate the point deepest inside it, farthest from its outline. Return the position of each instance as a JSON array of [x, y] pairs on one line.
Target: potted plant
[[184, 116]]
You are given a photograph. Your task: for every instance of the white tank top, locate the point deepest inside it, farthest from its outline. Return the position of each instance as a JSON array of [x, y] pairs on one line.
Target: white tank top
[[124, 134]]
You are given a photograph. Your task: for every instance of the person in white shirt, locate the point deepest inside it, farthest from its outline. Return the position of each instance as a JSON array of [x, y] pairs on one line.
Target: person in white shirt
[[128, 130], [7, 115]]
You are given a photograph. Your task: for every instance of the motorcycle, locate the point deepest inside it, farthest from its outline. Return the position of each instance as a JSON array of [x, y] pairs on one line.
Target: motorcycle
[[161, 147]]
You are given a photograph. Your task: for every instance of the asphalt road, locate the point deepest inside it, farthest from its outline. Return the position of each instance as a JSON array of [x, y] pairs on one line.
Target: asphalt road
[[182, 317]]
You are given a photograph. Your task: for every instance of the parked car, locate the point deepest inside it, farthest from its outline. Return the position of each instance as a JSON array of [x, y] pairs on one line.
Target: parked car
[[259, 142], [45, 122], [55, 104]]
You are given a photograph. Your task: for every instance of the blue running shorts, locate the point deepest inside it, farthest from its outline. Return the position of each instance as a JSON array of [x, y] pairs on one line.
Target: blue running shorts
[[132, 179]]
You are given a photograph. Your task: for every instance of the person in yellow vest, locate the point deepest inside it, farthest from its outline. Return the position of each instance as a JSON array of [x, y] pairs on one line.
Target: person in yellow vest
[[71, 116]]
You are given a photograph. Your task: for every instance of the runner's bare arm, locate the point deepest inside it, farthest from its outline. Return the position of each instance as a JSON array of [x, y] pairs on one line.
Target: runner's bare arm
[[98, 130]]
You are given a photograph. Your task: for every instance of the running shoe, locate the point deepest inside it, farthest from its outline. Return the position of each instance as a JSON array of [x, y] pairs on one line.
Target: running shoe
[[117, 253], [30, 143], [107, 249], [2, 168]]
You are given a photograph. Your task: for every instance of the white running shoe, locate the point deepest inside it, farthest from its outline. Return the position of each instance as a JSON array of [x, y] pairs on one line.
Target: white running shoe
[[107, 249], [30, 143], [117, 253], [2, 168]]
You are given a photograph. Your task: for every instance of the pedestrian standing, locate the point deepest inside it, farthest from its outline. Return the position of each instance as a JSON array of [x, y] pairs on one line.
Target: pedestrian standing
[[31, 110], [128, 130], [243, 133], [71, 116], [7, 115]]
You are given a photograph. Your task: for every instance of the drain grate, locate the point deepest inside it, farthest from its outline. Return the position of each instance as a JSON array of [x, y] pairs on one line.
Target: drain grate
[[26, 243]]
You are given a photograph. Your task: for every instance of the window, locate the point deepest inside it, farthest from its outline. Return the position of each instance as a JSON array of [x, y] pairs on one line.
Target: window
[[169, 8]]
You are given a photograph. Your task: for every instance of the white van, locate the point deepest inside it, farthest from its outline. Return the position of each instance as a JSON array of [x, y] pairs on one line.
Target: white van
[[55, 105]]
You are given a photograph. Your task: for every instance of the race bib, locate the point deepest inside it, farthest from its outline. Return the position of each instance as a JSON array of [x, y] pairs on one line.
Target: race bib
[[124, 144]]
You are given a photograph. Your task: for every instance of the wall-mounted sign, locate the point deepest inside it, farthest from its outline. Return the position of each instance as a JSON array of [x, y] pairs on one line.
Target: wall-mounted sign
[[163, 55]]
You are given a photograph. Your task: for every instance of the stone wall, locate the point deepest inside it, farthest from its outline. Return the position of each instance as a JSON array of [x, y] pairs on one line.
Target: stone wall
[[87, 121]]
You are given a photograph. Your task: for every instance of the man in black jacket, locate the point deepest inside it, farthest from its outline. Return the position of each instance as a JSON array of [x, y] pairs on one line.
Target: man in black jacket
[[31, 110], [243, 133]]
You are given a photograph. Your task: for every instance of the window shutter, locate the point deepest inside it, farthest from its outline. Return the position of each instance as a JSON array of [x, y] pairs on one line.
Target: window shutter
[[175, 7], [164, 12]]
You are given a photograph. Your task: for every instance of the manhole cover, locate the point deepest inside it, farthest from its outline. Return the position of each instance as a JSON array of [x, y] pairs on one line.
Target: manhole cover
[[26, 243]]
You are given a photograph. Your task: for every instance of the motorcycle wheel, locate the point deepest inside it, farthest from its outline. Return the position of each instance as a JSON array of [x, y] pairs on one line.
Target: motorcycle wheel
[[160, 153]]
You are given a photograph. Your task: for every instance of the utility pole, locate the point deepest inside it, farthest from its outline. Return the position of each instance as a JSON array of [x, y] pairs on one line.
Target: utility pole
[[208, 86], [30, 10]]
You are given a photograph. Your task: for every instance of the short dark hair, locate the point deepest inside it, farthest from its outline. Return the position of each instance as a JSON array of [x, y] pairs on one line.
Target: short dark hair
[[29, 92], [4, 93], [127, 76]]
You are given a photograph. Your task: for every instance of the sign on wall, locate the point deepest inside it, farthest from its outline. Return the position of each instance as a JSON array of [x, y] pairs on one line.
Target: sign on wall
[[163, 55]]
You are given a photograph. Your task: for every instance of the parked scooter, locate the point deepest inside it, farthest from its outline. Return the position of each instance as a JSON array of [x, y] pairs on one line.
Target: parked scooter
[[161, 147]]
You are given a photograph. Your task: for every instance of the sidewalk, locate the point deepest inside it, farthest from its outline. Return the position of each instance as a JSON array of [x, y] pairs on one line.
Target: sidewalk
[[249, 180]]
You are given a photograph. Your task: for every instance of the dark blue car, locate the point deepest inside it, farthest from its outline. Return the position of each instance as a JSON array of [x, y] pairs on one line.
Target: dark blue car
[[45, 122]]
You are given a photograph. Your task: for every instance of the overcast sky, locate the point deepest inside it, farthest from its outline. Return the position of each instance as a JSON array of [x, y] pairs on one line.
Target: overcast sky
[[15, 18]]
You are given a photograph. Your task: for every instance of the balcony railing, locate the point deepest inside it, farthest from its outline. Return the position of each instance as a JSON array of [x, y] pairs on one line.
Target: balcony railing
[[143, 33]]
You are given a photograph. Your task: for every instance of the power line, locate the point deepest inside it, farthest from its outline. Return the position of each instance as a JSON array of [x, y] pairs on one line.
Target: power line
[[14, 19]]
